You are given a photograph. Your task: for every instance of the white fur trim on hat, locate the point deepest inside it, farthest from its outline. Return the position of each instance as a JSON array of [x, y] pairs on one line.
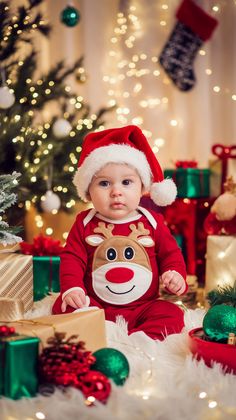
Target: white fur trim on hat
[[113, 153], [164, 192]]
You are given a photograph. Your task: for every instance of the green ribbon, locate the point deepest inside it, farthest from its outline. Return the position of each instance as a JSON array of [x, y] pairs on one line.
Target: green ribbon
[[18, 366], [45, 276]]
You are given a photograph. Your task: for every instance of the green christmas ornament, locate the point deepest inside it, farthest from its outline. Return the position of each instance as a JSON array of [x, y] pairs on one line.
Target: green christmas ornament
[[70, 16], [112, 363], [219, 321]]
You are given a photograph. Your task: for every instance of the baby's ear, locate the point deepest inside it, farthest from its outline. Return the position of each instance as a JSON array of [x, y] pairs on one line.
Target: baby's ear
[[143, 190]]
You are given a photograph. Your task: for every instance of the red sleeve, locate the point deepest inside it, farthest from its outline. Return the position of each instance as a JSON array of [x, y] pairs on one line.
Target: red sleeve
[[168, 252], [74, 258]]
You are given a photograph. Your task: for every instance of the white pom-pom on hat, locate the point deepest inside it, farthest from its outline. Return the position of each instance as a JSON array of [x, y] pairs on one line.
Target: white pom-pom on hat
[[164, 192]]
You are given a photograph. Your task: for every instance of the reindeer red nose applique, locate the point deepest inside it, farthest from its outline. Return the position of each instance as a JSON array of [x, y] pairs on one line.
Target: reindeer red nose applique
[[121, 267]]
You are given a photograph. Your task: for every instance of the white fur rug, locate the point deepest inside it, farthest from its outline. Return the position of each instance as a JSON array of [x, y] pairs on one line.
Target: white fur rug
[[165, 383]]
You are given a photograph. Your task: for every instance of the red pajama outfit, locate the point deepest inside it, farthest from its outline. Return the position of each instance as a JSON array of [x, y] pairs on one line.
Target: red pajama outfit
[[118, 264]]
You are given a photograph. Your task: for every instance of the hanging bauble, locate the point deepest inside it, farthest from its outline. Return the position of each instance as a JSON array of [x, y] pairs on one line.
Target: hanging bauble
[[95, 384], [70, 16], [50, 201], [219, 321], [7, 98], [112, 363], [61, 128]]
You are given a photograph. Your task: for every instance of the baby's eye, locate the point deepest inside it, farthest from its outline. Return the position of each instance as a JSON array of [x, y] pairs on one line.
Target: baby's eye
[[103, 183], [127, 182]]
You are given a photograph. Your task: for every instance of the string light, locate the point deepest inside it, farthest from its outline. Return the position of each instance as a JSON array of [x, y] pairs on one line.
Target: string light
[[40, 415]]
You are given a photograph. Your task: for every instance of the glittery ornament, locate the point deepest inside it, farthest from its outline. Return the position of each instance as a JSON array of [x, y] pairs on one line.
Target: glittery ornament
[[219, 321], [95, 384], [70, 16], [112, 363]]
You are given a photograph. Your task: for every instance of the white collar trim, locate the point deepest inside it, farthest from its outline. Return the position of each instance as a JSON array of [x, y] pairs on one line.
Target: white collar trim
[[142, 210], [149, 216]]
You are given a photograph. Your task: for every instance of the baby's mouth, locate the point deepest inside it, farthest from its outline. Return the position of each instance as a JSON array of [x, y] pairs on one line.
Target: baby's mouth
[[117, 205]]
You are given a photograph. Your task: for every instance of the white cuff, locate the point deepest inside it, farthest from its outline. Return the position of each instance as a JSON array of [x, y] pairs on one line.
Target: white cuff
[[85, 309]]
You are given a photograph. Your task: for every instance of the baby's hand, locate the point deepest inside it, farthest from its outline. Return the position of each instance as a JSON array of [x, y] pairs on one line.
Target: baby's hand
[[75, 298], [174, 282]]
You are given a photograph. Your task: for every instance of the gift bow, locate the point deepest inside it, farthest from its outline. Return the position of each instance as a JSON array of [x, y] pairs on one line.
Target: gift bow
[[186, 164], [224, 153], [42, 246]]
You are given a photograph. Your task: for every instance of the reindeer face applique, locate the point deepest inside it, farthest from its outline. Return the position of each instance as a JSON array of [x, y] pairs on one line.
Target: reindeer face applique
[[121, 267]]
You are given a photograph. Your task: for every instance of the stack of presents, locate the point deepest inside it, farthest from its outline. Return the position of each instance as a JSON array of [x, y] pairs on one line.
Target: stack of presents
[[31, 273], [208, 249], [27, 275]]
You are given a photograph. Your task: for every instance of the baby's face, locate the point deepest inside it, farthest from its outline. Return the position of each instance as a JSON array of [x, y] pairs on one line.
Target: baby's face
[[115, 191]]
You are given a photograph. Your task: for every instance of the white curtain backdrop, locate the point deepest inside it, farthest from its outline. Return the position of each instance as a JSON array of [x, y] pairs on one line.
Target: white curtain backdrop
[[188, 122]]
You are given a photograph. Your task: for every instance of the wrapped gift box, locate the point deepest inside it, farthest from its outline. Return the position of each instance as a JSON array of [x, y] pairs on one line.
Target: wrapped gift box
[[16, 277], [221, 166], [190, 182], [186, 217], [16, 353], [46, 276], [88, 325], [220, 261]]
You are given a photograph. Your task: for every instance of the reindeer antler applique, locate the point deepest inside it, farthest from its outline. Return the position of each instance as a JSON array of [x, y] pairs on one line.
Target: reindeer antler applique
[[138, 231], [105, 230]]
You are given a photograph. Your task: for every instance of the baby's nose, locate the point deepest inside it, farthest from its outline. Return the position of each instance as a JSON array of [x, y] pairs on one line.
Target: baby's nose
[[115, 191]]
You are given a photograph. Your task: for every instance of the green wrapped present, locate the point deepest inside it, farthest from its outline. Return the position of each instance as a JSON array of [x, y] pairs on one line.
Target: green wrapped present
[[46, 263], [18, 366], [45, 276], [190, 182]]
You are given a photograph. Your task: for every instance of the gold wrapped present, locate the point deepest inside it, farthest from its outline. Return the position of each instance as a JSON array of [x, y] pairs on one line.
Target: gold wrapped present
[[16, 277], [220, 261], [88, 325]]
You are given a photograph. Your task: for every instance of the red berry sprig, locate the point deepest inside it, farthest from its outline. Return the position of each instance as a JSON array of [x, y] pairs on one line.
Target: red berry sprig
[[6, 331]]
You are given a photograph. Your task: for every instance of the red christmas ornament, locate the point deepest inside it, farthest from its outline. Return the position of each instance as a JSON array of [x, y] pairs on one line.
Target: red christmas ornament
[[5, 331], [95, 384]]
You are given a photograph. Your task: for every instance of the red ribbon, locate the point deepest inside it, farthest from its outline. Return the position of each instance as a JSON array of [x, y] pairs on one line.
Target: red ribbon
[[186, 164], [42, 246], [224, 153]]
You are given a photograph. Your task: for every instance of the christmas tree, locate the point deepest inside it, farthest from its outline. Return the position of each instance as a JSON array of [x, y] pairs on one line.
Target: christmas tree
[[7, 199], [45, 151]]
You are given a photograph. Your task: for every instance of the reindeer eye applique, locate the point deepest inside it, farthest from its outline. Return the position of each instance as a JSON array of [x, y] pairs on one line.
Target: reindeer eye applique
[[111, 254], [129, 253]]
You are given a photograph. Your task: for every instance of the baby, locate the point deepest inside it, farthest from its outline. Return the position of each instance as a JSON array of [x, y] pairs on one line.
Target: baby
[[117, 252]]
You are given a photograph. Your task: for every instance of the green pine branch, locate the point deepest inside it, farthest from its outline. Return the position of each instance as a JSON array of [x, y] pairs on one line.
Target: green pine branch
[[223, 295], [8, 182], [28, 144], [16, 28]]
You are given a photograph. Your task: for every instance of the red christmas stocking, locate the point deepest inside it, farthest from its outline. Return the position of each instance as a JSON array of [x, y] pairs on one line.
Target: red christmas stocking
[[193, 28]]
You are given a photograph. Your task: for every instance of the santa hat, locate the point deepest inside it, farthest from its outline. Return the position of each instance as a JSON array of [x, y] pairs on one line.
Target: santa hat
[[126, 145]]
